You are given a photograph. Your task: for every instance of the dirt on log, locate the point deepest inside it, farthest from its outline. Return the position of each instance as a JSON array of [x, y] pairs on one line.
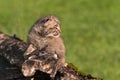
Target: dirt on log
[[12, 60]]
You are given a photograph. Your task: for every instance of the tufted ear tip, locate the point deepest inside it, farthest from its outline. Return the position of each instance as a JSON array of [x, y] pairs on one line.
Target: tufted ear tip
[[0, 32]]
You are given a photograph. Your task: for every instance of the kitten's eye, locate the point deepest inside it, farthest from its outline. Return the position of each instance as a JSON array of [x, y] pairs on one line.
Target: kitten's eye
[[39, 33], [56, 26]]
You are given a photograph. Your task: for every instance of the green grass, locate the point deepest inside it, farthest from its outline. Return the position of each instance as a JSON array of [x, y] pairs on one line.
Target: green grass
[[91, 30]]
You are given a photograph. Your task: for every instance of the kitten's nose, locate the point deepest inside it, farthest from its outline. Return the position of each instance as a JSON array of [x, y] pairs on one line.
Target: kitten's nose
[[58, 28]]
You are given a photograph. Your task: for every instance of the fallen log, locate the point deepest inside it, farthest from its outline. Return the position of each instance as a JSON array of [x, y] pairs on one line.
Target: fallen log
[[38, 64]]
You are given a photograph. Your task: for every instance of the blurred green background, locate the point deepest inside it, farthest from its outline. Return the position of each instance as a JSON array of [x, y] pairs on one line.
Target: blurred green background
[[90, 29]]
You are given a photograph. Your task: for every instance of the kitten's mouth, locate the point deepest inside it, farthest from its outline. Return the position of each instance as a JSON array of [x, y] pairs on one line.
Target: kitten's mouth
[[53, 33]]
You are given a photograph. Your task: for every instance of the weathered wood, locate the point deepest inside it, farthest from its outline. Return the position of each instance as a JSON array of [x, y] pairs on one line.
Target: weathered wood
[[12, 60], [12, 49]]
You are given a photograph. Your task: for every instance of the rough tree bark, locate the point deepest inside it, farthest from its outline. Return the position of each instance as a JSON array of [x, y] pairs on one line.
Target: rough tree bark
[[12, 61]]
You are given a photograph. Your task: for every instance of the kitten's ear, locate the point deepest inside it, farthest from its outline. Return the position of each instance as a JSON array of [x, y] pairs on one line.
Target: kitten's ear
[[0, 32], [44, 20]]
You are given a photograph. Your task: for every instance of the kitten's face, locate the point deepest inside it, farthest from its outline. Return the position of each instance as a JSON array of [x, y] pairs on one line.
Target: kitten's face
[[51, 27]]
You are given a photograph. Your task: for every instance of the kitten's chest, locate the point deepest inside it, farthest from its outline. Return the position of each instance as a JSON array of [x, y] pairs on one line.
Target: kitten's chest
[[42, 43], [54, 45]]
